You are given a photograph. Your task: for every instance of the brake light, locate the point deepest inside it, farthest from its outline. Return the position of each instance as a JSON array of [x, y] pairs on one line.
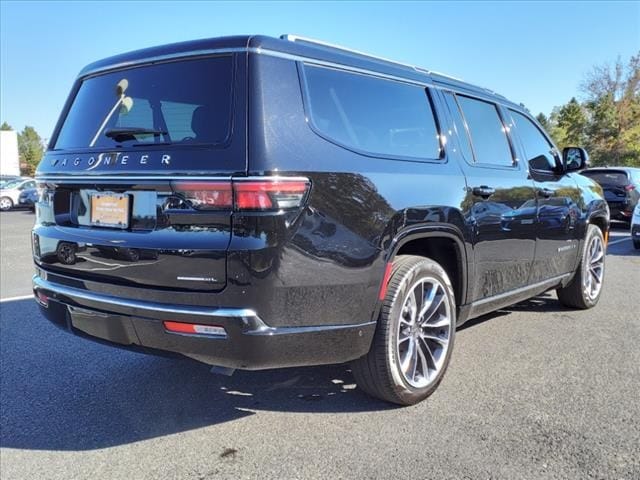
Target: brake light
[[630, 187], [206, 195], [270, 193]]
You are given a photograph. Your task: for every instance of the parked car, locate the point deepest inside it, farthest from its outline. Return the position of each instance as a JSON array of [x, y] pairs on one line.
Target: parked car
[[293, 203], [10, 192], [28, 198], [635, 227], [621, 187]]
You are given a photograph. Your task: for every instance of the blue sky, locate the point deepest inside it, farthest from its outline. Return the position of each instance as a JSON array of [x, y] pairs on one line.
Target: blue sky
[[536, 53]]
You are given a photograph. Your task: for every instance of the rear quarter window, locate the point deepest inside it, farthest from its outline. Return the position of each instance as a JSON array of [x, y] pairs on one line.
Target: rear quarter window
[[370, 114]]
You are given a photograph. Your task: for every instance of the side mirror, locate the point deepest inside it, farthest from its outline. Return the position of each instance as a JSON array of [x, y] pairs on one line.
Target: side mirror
[[574, 158]]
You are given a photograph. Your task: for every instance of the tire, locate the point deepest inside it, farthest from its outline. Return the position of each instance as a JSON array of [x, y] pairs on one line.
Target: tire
[[391, 370], [636, 244], [586, 285], [6, 204]]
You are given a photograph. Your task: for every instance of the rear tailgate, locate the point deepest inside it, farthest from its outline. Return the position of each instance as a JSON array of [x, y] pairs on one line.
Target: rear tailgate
[[118, 202]]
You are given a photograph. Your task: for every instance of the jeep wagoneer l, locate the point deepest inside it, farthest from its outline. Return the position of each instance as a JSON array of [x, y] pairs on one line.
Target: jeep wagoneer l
[[253, 202]]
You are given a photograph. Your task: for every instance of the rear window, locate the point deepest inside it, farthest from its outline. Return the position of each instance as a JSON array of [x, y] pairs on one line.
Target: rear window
[[372, 114], [185, 102], [608, 178]]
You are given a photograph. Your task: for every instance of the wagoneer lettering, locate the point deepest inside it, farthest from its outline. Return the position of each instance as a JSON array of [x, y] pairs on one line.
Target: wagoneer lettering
[[253, 203]]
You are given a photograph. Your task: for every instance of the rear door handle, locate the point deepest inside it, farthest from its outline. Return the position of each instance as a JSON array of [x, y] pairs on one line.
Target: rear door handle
[[546, 192], [483, 191]]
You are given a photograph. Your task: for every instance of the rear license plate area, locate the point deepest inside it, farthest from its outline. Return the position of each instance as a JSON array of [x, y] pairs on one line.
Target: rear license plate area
[[110, 210]]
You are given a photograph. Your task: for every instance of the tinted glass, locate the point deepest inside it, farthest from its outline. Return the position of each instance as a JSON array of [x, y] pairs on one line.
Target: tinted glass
[[189, 100], [372, 114], [537, 148], [608, 177], [488, 136], [13, 184], [463, 136]]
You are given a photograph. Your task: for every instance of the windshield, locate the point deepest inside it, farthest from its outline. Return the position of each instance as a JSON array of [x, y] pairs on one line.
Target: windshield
[[187, 102], [12, 184]]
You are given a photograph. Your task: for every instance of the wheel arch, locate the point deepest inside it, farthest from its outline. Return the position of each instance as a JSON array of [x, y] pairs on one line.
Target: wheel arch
[[437, 242]]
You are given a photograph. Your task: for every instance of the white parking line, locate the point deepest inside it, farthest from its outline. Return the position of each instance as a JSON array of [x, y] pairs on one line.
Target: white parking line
[[13, 299], [619, 240]]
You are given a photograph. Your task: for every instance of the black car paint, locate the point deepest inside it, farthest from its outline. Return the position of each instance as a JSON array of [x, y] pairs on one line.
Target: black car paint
[[312, 276]]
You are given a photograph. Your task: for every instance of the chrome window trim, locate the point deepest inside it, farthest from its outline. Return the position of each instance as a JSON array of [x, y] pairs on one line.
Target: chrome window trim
[[80, 176], [256, 50], [496, 98]]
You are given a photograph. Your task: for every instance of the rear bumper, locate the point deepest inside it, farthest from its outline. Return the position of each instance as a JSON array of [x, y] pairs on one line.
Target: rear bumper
[[248, 342], [620, 211]]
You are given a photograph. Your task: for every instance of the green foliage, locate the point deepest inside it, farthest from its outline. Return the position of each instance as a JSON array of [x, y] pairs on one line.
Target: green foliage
[[543, 120], [572, 120], [31, 150], [607, 121], [5, 126]]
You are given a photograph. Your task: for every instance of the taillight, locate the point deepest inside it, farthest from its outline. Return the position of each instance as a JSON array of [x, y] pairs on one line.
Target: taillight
[[268, 193], [206, 195], [630, 187], [271, 194]]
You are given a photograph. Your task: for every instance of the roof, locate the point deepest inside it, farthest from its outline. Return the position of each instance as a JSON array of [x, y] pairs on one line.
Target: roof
[[295, 46]]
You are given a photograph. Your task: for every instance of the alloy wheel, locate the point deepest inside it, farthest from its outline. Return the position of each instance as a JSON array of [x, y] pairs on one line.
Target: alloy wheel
[[424, 332], [592, 282]]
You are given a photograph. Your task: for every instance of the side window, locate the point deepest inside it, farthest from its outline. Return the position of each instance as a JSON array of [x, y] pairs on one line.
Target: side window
[[539, 151], [461, 128], [179, 117], [372, 114], [488, 135]]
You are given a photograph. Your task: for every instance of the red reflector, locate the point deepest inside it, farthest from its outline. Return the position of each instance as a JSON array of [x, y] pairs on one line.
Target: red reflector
[[42, 299], [385, 281], [194, 328]]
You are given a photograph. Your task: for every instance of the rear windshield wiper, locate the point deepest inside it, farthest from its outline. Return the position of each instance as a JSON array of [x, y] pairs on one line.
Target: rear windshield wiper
[[129, 133]]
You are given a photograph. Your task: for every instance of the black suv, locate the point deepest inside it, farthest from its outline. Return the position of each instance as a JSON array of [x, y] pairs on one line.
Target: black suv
[[253, 202], [621, 187]]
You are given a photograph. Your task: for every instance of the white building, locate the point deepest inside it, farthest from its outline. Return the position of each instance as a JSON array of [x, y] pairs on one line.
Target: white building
[[9, 158]]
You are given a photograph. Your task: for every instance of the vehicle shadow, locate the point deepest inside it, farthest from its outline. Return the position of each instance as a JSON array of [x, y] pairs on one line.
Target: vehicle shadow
[[59, 392], [546, 302]]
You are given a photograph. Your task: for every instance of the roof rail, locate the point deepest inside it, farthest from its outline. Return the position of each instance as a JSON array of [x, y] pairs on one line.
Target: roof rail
[[312, 41], [440, 74]]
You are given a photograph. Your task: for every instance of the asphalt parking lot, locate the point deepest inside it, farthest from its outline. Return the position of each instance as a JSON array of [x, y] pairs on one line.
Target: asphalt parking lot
[[533, 391]]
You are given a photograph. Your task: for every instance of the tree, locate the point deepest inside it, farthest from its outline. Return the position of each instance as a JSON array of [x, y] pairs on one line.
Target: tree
[[31, 150], [613, 102], [5, 126], [573, 122], [544, 121]]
